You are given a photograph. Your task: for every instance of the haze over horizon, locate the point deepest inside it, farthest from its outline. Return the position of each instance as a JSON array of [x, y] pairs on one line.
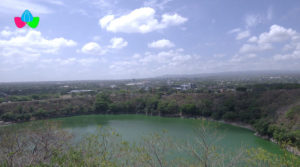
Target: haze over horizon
[[115, 39]]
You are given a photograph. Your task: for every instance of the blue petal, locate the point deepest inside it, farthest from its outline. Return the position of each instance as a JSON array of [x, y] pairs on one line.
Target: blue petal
[[27, 16]]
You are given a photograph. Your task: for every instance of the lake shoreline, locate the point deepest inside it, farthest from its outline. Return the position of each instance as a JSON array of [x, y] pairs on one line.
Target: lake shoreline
[[291, 149], [237, 124]]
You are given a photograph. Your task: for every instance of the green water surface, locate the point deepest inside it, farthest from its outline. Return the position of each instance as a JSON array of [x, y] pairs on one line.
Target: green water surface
[[133, 127]]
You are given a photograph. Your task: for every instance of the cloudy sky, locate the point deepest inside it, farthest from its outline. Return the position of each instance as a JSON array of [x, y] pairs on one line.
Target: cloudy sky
[[117, 39]]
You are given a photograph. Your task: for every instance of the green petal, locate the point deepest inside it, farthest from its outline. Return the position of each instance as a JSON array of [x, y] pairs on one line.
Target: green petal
[[34, 23]]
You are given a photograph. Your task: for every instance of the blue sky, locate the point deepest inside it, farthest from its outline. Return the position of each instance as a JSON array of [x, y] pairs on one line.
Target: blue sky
[[120, 39]]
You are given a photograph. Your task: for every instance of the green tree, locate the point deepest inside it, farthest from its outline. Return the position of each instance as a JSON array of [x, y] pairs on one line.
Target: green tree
[[189, 109], [102, 102]]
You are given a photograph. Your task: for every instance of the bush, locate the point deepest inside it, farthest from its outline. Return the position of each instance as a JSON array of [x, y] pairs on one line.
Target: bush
[[262, 127], [9, 117], [115, 108], [23, 117], [217, 115], [230, 116], [189, 109], [40, 114], [292, 112]]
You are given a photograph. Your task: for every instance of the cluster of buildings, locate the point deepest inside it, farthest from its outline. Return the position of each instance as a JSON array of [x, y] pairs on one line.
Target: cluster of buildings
[[185, 86]]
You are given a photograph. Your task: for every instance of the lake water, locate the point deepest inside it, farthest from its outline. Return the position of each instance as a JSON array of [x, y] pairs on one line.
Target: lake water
[[133, 127]]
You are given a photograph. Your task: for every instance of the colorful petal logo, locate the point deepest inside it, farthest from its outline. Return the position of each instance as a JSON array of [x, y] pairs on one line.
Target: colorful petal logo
[[27, 18]]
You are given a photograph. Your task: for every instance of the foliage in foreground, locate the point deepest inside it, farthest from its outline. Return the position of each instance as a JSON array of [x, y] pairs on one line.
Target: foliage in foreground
[[49, 146]]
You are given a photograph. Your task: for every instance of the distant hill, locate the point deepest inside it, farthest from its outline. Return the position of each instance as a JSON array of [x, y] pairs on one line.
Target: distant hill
[[235, 74]]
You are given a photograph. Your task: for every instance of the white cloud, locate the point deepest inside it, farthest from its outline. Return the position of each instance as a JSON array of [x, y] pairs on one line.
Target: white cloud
[[240, 58], [175, 61], [165, 57], [93, 48], [277, 34], [239, 33], [136, 56], [253, 48], [252, 20], [96, 38], [31, 43], [140, 20], [242, 35], [279, 42], [106, 20], [171, 20], [7, 32], [88, 61], [172, 61], [266, 40], [45, 63], [253, 39], [160, 44], [236, 30], [24, 49], [295, 54], [118, 43]]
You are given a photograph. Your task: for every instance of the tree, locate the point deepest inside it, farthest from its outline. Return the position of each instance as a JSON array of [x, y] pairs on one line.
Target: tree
[[241, 89], [40, 114], [33, 146], [230, 116], [189, 109], [172, 107], [102, 102], [151, 104], [162, 107], [206, 108]]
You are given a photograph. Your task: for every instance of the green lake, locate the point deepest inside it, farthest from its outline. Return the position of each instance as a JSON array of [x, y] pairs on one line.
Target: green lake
[[133, 127]]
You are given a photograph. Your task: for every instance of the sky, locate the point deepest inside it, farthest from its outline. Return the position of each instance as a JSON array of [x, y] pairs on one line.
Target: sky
[[126, 39]]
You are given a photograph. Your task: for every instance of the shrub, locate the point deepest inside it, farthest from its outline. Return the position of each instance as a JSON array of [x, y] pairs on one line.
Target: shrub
[[189, 109], [9, 117], [230, 116], [292, 112], [40, 114]]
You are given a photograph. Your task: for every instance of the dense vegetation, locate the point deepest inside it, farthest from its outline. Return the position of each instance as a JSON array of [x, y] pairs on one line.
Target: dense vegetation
[[257, 108], [272, 109], [48, 145]]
